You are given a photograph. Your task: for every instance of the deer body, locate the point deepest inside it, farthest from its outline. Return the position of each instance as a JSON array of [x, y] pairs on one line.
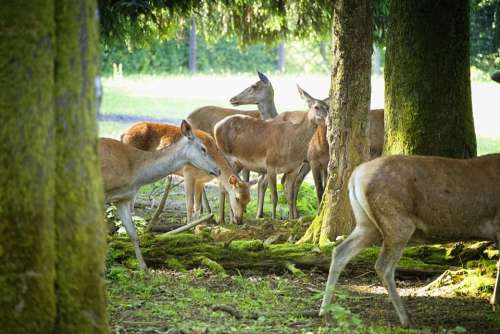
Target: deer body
[[280, 148], [154, 136], [425, 199], [124, 169]]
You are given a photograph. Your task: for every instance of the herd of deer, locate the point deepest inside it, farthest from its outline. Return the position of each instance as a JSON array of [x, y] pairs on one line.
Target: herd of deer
[[394, 198]]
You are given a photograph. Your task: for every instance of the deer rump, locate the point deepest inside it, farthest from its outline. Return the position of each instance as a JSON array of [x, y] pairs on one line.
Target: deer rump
[[445, 199]]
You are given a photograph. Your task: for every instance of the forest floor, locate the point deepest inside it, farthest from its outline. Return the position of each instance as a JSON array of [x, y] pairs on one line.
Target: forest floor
[[277, 301]]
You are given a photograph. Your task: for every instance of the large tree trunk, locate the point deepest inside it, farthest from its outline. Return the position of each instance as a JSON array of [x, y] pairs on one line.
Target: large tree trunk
[[428, 106], [281, 57], [51, 205], [192, 47], [347, 126], [81, 233], [27, 248]]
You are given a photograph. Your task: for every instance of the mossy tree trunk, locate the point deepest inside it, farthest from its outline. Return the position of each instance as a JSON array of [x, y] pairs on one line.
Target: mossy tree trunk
[[52, 246], [428, 107], [80, 229], [347, 127]]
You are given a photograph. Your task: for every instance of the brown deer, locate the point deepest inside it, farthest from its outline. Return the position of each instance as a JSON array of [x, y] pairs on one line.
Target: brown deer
[[396, 199], [318, 154], [154, 136], [124, 169], [260, 93], [280, 148]]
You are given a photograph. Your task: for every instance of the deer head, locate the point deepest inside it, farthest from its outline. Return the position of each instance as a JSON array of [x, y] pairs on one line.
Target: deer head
[[196, 152], [239, 198], [260, 91], [318, 109]]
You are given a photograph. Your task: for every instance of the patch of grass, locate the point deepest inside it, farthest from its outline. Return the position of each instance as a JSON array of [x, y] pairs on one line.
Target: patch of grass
[[162, 300], [487, 145]]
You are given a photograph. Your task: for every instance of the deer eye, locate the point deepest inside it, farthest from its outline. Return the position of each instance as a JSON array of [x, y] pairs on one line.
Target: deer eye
[[204, 150]]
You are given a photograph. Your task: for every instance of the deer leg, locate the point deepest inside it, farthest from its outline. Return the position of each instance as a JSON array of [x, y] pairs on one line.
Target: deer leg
[[222, 203], [206, 203], [495, 297], [261, 193], [290, 183], [304, 169], [392, 249], [189, 187], [318, 181], [364, 235], [126, 218], [198, 194], [271, 179]]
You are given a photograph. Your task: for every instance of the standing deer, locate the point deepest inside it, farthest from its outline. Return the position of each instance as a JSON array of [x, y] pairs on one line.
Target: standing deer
[[280, 148], [421, 198], [154, 136], [124, 169]]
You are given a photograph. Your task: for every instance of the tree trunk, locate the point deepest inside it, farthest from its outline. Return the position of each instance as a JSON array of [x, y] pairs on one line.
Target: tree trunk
[[81, 232], [347, 125], [281, 57], [496, 37], [192, 47], [428, 107], [27, 248], [51, 205]]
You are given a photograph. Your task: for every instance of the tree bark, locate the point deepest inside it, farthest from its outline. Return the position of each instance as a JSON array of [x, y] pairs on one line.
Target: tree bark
[[428, 107], [192, 47], [281, 57], [347, 123], [27, 248], [51, 203], [81, 232]]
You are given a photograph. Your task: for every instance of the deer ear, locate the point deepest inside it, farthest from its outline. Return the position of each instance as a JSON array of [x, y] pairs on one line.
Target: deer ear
[[305, 96], [233, 180], [186, 129], [328, 101], [262, 77]]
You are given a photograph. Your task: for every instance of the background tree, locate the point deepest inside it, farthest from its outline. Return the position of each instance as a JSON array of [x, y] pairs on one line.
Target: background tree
[[51, 204], [347, 130], [428, 108], [192, 47]]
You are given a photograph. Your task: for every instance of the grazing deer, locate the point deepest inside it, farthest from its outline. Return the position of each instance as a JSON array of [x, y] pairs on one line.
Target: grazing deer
[[396, 199], [154, 136], [280, 148], [124, 169]]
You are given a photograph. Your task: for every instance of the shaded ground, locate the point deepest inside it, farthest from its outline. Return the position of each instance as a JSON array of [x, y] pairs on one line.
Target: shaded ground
[[172, 302]]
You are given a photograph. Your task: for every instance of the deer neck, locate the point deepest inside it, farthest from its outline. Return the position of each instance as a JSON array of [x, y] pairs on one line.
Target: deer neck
[[267, 108], [158, 164]]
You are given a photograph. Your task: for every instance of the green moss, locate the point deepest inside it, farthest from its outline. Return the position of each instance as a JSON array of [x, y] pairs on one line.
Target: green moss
[[175, 264], [212, 265], [246, 245], [27, 176], [181, 239]]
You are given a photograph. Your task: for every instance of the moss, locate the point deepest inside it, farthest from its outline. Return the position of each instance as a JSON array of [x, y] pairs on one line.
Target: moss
[[175, 264], [178, 240], [212, 265], [428, 40], [27, 176], [246, 245]]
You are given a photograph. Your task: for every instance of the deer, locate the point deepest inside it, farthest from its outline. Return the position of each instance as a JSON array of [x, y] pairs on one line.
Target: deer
[[125, 169], [150, 136], [318, 154], [281, 147], [397, 199], [260, 93]]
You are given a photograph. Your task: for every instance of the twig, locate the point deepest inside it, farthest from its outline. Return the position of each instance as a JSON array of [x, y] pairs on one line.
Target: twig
[[228, 309], [191, 225]]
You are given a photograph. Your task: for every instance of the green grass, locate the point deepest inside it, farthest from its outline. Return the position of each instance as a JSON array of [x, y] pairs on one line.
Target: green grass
[[487, 145]]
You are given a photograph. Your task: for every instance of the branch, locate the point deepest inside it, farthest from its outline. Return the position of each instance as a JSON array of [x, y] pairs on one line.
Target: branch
[[191, 225]]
